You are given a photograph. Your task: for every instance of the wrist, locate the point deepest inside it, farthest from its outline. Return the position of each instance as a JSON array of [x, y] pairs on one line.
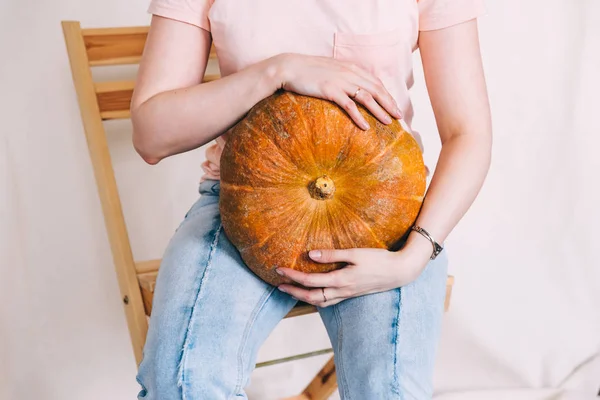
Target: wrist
[[407, 264], [418, 246], [411, 260], [276, 71]]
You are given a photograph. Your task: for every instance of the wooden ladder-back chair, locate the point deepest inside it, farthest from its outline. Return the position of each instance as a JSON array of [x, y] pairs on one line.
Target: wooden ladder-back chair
[[101, 101]]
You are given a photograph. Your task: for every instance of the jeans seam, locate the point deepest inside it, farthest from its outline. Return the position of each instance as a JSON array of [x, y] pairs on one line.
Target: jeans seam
[[341, 372], [396, 333], [249, 325], [188, 333]]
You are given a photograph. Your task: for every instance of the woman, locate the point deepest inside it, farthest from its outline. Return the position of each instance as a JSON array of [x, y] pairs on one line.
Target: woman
[[382, 311]]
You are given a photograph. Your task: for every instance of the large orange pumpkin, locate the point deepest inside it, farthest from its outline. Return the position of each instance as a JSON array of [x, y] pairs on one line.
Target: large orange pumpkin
[[297, 174]]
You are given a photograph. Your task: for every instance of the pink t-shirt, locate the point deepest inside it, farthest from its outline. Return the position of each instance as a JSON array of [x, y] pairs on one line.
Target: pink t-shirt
[[378, 35]]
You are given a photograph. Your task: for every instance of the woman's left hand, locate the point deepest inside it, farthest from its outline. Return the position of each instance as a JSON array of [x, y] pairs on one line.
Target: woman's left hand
[[368, 271]]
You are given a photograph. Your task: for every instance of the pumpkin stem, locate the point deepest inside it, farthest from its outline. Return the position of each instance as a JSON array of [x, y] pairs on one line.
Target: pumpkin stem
[[321, 188]]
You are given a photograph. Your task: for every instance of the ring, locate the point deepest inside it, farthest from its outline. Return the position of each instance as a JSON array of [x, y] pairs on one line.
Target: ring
[[324, 297], [356, 93]]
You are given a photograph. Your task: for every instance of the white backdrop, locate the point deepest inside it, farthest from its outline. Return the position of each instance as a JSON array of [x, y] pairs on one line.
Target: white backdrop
[[525, 317]]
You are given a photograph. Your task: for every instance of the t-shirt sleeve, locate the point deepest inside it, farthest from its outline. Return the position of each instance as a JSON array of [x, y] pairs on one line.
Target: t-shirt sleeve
[[193, 12], [438, 14]]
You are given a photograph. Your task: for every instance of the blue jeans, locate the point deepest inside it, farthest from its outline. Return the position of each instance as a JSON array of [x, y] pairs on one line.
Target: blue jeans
[[211, 314]]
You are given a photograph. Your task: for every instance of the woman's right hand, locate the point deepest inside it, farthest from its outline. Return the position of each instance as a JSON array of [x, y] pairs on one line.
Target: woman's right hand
[[336, 81]]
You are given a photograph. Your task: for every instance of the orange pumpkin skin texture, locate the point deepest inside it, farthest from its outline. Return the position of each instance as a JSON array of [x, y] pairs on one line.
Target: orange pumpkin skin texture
[[297, 174]]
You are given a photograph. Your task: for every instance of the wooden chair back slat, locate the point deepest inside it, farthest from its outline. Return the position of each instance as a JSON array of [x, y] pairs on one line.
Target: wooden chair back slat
[[114, 46], [114, 220], [114, 97], [118, 46]]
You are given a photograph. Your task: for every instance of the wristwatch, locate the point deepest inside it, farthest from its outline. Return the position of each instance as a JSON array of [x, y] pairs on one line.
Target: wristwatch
[[437, 248]]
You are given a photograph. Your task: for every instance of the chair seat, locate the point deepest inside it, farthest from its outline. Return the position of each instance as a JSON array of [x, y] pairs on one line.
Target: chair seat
[[149, 271], [147, 282]]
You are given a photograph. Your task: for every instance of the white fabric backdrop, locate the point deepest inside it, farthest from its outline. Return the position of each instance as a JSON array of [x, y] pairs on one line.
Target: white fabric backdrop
[[525, 317]]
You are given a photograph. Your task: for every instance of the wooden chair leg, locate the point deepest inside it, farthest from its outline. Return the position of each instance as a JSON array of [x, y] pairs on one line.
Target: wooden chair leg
[[322, 386]]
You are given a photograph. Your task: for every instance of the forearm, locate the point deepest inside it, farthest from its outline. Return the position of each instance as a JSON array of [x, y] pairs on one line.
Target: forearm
[[462, 167], [179, 120]]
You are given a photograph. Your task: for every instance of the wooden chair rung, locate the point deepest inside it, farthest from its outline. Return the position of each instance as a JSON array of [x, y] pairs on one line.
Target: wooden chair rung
[[118, 114], [294, 358], [147, 266], [113, 86], [114, 97]]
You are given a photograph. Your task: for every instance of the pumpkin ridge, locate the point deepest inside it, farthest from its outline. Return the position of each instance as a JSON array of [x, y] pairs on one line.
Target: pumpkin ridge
[[263, 241], [328, 217], [361, 220], [344, 233], [300, 217], [319, 132], [310, 132], [284, 213], [385, 150], [299, 110], [257, 244], [294, 140], [233, 186], [339, 160], [377, 157], [274, 143], [315, 224], [300, 114], [326, 129]]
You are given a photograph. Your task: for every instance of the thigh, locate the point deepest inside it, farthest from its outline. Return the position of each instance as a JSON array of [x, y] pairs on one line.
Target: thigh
[[210, 314], [385, 343]]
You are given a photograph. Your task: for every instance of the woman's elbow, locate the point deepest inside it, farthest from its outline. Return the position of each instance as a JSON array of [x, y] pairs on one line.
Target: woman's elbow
[[145, 152], [144, 143], [144, 137]]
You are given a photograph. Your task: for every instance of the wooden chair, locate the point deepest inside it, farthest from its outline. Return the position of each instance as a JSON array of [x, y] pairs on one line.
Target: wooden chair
[[101, 101]]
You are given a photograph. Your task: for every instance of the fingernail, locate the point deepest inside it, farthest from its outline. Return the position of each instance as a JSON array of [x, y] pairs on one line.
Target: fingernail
[[314, 254], [280, 272], [387, 119], [282, 289], [398, 112], [364, 125]]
